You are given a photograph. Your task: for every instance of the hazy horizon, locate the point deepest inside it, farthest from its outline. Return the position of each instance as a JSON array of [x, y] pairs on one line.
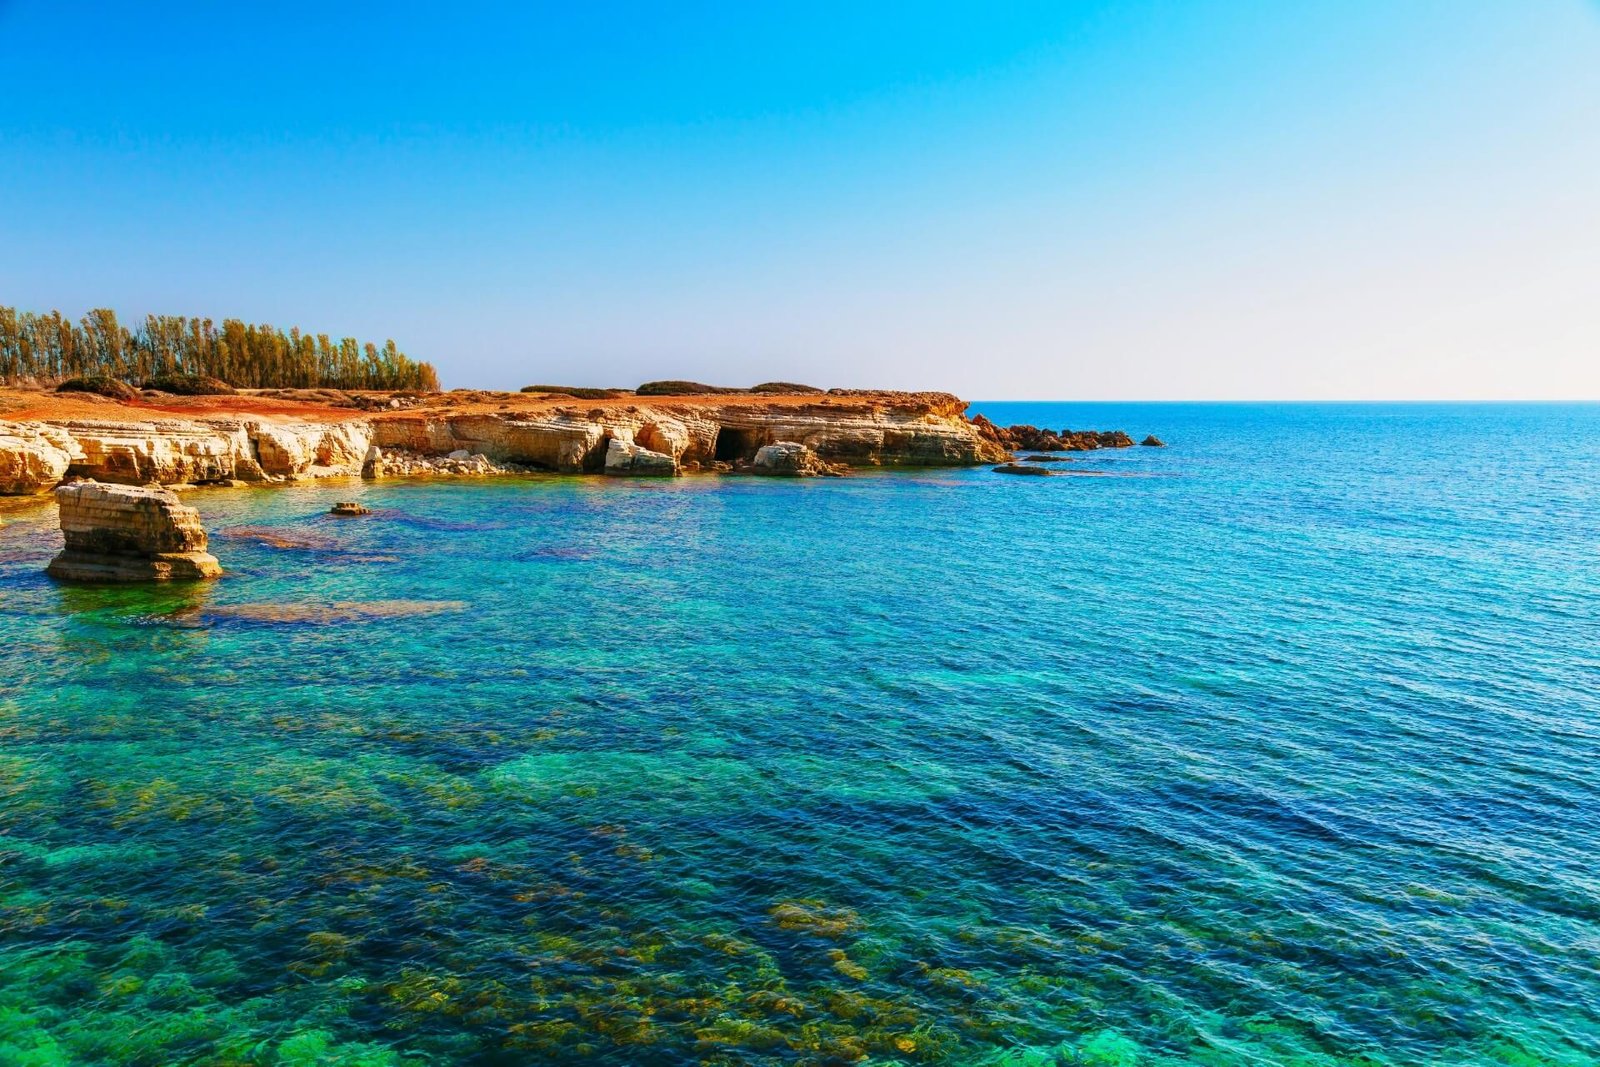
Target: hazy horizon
[[1055, 201]]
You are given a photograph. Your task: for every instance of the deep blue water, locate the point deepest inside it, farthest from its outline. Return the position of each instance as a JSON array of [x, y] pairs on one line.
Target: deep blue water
[[1276, 746]]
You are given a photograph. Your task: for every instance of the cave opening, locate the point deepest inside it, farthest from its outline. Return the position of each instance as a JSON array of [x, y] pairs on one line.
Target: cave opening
[[734, 444]]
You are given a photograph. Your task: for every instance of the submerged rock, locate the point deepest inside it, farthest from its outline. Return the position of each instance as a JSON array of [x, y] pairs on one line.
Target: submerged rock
[[626, 458], [296, 540], [323, 614], [120, 533], [1021, 468]]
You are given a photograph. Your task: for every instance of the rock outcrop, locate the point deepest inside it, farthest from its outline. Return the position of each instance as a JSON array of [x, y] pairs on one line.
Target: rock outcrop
[[550, 441], [656, 436], [399, 463], [163, 451], [1033, 439], [1022, 468], [120, 533], [171, 451], [33, 459], [1152, 441], [868, 429], [627, 459], [792, 459]]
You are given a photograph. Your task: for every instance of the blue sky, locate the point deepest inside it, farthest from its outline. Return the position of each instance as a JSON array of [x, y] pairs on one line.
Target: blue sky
[[1204, 199]]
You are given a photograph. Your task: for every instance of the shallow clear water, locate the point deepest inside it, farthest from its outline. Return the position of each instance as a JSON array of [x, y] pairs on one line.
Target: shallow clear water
[[1277, 746]]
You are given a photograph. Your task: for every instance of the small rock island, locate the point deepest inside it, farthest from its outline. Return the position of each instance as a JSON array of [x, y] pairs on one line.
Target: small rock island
[[124, 533]]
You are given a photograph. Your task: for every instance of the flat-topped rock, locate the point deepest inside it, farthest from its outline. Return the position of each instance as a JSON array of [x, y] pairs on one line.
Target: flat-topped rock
[[124, 533]]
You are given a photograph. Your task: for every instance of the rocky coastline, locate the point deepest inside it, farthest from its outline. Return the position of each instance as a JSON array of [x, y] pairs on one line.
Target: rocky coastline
[[274, 437], [493, 434], [115, 467]]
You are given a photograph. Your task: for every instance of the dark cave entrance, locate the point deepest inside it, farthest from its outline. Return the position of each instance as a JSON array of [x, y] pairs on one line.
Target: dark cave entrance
[[735, 444]]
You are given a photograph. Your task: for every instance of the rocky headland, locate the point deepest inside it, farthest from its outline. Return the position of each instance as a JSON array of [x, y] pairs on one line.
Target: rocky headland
[[1033, 439], [114, 461], [46, 439], [264, 437]]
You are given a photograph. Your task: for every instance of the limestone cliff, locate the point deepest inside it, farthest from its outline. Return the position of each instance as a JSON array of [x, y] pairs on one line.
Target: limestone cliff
[[875, 429], [856, 429], [36, 456], [34, 459]]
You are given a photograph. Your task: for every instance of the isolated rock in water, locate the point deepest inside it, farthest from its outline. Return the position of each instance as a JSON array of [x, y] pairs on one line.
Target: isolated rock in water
[[1046, 459], [626, 458], [349, 507], [33, 459], [372, 466], [121, 533], [1020, 468], [791, 459], [1152, 441]]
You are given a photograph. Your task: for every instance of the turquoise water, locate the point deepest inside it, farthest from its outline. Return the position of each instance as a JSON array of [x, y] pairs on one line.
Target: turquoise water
[[1277, 746]]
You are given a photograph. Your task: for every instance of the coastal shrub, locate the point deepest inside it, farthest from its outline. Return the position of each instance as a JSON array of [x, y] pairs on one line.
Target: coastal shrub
[[331, 397], [99, 385], [681, 388], [784, 387], [51, 347], [190, 385], [581, 392]]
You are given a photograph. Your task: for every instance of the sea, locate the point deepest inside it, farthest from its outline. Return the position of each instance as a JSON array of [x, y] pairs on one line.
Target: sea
[[1279, 745]]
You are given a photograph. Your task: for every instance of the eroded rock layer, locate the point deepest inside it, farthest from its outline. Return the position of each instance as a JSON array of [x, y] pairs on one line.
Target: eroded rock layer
[[877, 429], [34, 459], [650, 437], [123, 533]]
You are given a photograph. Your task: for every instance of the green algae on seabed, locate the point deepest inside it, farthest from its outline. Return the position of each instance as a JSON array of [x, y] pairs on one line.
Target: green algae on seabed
[[771, 774]]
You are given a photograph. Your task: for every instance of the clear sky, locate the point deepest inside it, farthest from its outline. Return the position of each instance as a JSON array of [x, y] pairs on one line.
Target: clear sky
[[1179, 199]]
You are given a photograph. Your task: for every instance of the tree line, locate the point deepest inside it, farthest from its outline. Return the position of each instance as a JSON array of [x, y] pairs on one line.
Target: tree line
[[48, 348]]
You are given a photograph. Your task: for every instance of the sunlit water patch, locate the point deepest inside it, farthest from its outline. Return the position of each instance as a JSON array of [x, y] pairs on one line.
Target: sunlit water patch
[[1280, 753]]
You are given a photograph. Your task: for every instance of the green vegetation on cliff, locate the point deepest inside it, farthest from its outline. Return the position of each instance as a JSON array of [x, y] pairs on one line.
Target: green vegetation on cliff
[[50, 347]]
